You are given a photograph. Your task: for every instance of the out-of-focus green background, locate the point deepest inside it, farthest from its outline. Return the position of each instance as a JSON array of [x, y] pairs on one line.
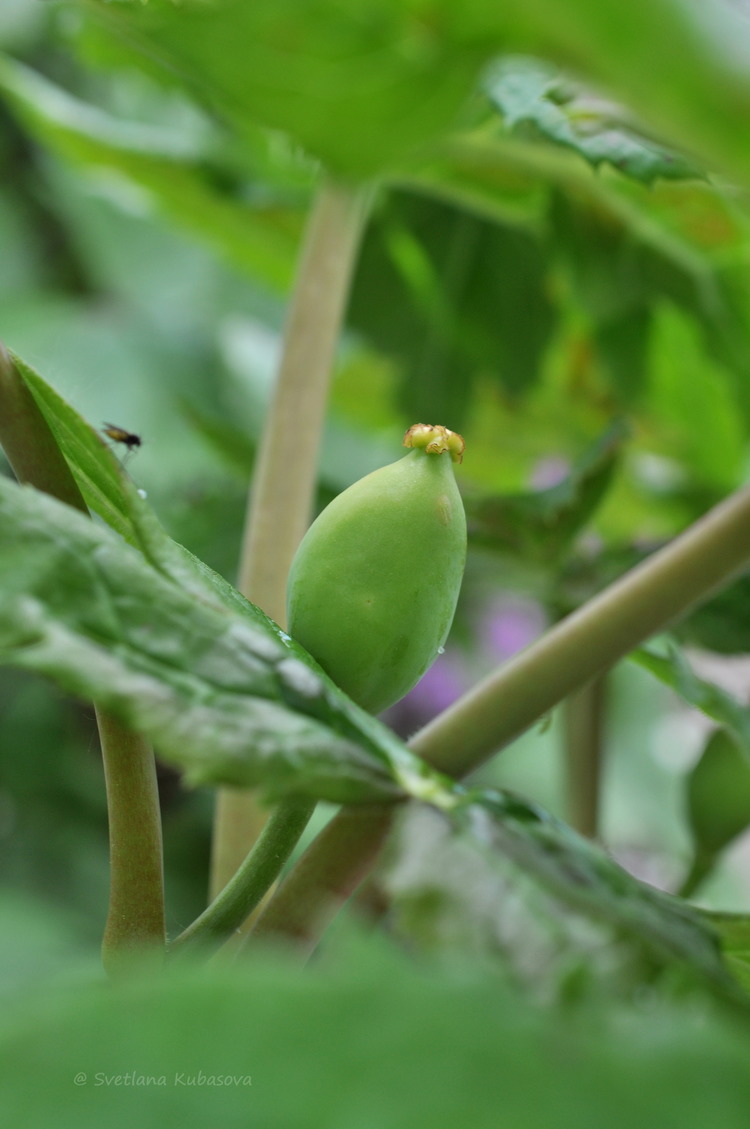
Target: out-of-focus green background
[[552, 308]]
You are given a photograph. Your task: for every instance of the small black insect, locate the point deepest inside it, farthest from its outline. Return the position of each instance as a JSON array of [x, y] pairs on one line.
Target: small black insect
[[120, 435]]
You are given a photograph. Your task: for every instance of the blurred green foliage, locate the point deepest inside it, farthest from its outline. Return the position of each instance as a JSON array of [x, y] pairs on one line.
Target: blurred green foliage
[[364, 1041], [557, 254], [718, 797]]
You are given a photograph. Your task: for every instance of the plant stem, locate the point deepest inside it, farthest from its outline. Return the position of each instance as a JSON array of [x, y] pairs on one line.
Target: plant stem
[[581, 647], [587, 643], [136, 907], [135, 928], [584, 753], [319, 884], [285, 474], [700, 868], [251, 881]]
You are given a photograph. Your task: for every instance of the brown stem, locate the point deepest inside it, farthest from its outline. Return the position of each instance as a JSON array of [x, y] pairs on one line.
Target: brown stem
[[583, 747]]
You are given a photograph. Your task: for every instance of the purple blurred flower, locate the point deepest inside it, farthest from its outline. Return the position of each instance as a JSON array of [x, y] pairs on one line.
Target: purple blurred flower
[[444, 682], [440, 686], [511, 624], [549, 471]]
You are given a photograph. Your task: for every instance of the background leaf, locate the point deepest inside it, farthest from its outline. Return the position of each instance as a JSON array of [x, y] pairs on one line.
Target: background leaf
[[540, 525], [360, 86], [722, 624], [534, 99], [676, 64], [451, 297], [717, 795], [672, 667], [184, 175]]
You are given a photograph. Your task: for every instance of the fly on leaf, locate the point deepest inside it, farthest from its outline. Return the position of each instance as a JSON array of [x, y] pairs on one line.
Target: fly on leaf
[[119, 435]]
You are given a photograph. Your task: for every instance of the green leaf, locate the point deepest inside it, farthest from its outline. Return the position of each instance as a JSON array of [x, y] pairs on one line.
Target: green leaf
[[359, 85], [675, 64], [181, 173], [451, 296], [723, 623], [228, 438], [671, 667], [506, 881], [718, 794], [99, 476], [540, 525], [626, 252], [622, 345], [733, 930], [370, 1042], [622, 264], [110, 493], [363, 84], [223, 695], [535, 100], [698, 406]]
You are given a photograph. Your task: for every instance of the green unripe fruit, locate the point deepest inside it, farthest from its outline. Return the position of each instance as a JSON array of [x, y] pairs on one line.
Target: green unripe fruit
[[373, 588]]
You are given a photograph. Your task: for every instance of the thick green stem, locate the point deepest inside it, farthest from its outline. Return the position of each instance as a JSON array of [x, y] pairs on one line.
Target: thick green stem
[[136, 909], [584, 754], [581, 647], [285, 474], [283, 486], [246, 888], [322, 881], [135, 929]]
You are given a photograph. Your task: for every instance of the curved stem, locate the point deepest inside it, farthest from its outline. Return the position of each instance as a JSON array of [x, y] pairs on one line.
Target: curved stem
[[251, 881], [700, 868], [285, 474], [135, 920], [135, 928], [566, 658], [319, 884]]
